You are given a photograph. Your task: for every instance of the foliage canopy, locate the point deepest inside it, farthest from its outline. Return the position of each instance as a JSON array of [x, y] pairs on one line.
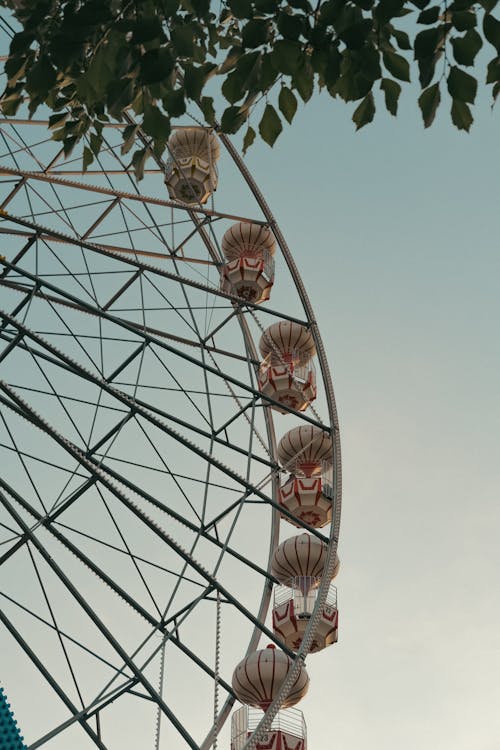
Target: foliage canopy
[[91, 60]]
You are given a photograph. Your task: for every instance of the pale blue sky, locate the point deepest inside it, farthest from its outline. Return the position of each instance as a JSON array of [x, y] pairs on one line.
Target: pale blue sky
[[395, 232]]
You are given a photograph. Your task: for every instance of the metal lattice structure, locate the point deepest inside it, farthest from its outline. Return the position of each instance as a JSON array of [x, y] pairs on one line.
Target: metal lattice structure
[[139, 483]]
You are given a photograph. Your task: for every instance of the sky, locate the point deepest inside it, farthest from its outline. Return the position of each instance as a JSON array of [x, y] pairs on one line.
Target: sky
[[393, 230]]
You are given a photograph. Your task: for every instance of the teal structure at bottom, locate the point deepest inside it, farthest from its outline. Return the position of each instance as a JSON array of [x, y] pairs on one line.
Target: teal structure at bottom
[[10, 738]]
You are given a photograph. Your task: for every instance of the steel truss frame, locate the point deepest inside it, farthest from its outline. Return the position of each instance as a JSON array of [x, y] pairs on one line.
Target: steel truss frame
[[18, 336]]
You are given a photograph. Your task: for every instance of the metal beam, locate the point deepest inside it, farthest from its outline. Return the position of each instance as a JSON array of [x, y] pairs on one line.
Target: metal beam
[[134, 508], [57, 180], [111, 248], [157, 624], [163, 345], [134, 263], [52, 682], [88, 609], [139, 491], [88, 713], [145, 410]]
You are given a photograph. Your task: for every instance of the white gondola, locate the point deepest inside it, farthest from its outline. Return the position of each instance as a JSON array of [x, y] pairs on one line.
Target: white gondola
[[258, 678], [307, 452], [293, 607], [287, 372], [249, 268], [191, 176], [287, 731]]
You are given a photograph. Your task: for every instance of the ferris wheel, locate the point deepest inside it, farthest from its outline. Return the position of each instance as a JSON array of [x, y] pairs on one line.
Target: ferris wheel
[[170, 482]]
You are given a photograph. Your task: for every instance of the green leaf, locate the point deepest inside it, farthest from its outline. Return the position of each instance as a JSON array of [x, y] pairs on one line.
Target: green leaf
[[397, 65], [250, 65], [170, 7], [248, 139], [290, 26], [287, 103], [129, 134], [428, 48], [366, 62], [10, 102], [352, 84], [364, 112], [461, 85], [250, 100], [246, 63], [232, 119], [493, 70], [120, 96], [300, 5], [145, 29], [466, 48], [327, 66], [155, 123], [270, 125], [303, 81], [255, 33], [355, 36], [138, 162], [232, 88], [21, 42], [15, 68], [195, 79], [429, 15], [41, 77], [174, 102], [488, 5], [231, 59], [56, 120], [463, 20], [391, 90], [69, 144], [201, 7], [402, 38], [491, 29], [428, 102], [207, 107], [319, 61], [268, 73], [461, 115], [156, 65], [329, 12], [287, 56], [91, 86], [96, 141], [266, 6], [428, 41], [88, 158], [387, 9], [183, 39], [241, 8], [427, 68]]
